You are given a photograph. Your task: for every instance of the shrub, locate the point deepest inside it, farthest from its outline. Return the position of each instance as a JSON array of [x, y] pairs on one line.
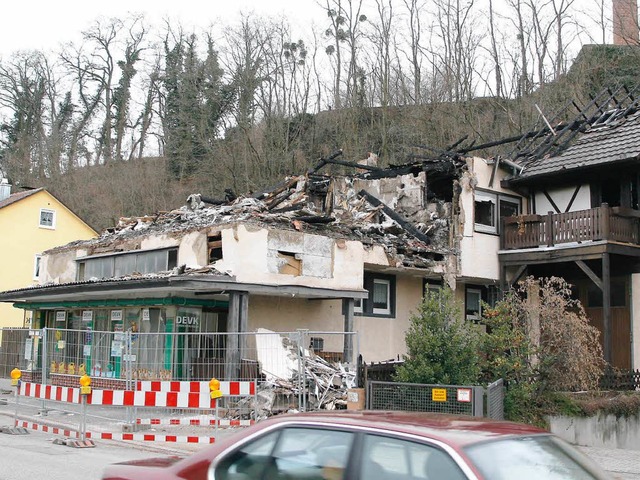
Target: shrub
[[442, 348]]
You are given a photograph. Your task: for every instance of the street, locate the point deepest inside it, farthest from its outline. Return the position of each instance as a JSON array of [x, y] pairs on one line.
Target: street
[[34, 456]]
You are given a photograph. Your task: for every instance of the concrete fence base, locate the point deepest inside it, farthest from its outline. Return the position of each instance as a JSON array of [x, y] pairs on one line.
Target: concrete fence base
[[607, 431]]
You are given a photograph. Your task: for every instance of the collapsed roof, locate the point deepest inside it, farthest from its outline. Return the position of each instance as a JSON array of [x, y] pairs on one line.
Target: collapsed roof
[[388, 207]]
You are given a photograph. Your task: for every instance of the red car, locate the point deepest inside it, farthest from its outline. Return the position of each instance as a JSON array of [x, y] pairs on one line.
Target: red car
[[374, 445]]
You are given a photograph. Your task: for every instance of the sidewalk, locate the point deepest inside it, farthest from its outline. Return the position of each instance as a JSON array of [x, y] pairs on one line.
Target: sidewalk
[[622, 464]]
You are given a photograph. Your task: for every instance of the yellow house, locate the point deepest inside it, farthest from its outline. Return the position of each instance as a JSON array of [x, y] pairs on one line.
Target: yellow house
[[31, 222]]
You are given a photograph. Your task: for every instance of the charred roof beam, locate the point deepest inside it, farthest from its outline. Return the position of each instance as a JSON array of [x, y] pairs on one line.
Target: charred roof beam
[[395, 217]]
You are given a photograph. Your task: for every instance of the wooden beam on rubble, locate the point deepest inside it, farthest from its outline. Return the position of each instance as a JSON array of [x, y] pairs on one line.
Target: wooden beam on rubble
[[395, 216], [324, 161]]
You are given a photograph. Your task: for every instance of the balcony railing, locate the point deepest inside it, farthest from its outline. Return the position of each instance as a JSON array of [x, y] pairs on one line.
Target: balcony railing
[[615, 224]]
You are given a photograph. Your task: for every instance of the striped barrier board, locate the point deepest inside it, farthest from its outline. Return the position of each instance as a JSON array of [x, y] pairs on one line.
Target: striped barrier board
[[130, 398], [136, 437], [200, 422], [231, 388], [126, 398], [50, 392]]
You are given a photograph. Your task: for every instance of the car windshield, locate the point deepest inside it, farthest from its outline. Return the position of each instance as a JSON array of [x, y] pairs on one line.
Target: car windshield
[[531, 458]]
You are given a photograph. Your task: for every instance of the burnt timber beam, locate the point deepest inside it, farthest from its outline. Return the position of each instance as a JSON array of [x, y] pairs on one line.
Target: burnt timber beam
[[324, 161], [314, 219], [393, 215], [353, 164]]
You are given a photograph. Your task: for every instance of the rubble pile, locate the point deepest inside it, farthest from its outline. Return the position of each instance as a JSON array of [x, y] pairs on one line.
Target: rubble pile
[[297, 378], [321, 386]]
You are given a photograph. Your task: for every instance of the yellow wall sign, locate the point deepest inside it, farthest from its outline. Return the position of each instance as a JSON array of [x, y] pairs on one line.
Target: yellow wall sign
[[439, 394]]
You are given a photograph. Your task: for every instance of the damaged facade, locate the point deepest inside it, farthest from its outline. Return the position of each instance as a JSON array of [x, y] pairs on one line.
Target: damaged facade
[[318, 252]]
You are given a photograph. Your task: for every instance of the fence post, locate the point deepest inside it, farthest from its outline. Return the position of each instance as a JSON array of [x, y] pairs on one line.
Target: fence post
[[478, 401], [606, 220], [43, 380], [549, 229]]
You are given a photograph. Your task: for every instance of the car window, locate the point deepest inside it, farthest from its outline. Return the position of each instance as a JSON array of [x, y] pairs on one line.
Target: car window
[[249, 462], [290, 453], [386, 458], [531, 458]]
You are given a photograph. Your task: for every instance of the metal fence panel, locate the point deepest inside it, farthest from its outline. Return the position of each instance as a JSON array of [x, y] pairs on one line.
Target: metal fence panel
[[302, 370], [495, 400], [416, 397]]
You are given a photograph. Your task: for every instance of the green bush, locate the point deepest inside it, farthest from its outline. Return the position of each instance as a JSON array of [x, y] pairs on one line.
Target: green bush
[[442, 348]]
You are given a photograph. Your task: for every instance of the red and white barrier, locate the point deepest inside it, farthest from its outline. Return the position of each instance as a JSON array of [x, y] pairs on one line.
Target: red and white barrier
[[124, 398], [130, 398], [136, 437], [198, 422], [234, 388], [50, 392]]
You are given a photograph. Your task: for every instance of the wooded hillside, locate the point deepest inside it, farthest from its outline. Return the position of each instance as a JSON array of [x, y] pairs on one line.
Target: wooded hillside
[[136, 117]]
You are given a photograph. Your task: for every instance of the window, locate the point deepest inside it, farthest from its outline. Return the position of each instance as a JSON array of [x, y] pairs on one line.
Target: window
[[491, 208], [36, 267], [47, 218], [291, 452], [385, 457], [473, 304], [109, 266], [382, 296]]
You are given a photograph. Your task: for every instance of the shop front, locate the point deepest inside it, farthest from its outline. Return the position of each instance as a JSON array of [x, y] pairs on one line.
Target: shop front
[[123, 341]]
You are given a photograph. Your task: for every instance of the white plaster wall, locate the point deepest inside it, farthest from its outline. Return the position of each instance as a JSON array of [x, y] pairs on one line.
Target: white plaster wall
[[158, 241], [60, 267], [635, 321], [379, 338], [193, 251], [251, 256], [562, 197], [478, 256]]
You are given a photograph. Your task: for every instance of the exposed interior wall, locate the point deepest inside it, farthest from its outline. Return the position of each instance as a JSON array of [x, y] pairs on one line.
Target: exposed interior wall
[[22, 238], [562, 198], [258, 255]]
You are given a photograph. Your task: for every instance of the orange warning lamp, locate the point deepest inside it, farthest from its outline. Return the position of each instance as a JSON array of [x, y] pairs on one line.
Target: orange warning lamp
[[85, 384], [15, 376], [214, 386]]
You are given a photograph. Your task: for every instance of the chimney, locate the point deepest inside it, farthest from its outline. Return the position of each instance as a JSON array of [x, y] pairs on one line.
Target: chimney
[[5, 189], [625, 22]]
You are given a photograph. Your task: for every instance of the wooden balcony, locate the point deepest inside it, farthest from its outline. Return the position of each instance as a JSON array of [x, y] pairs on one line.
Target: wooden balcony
[[615, 224]]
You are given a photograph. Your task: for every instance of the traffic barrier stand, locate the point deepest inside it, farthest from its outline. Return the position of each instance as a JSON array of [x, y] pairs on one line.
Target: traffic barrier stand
[[14, 430], [75, 443]]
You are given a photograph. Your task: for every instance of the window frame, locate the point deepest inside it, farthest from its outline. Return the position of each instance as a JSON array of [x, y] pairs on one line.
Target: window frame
[[37, 265], [496, 200], [81, 263], [365, 307], [474, 290], [53, 219]]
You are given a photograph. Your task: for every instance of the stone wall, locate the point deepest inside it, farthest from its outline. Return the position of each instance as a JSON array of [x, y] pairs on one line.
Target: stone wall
[[601, 430]]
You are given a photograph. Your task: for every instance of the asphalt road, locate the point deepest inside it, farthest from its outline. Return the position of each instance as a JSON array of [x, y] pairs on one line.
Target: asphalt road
[[34, 456]]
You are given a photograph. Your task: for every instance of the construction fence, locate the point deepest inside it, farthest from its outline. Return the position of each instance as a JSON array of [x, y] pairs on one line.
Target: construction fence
[[284, 371]]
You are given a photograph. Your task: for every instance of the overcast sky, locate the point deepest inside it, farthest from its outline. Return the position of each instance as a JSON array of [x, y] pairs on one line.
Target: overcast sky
[[45, 24]]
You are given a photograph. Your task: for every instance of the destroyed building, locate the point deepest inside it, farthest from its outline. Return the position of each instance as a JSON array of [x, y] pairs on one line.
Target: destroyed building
[[333, 253]]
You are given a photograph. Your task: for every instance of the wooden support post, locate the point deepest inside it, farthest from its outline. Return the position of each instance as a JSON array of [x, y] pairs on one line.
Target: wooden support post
[[606, 306], [347, 307], [549, 229], [232, 355], [605, 218]]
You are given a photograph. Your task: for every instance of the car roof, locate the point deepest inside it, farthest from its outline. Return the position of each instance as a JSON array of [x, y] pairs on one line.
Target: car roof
[[455, 430]]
